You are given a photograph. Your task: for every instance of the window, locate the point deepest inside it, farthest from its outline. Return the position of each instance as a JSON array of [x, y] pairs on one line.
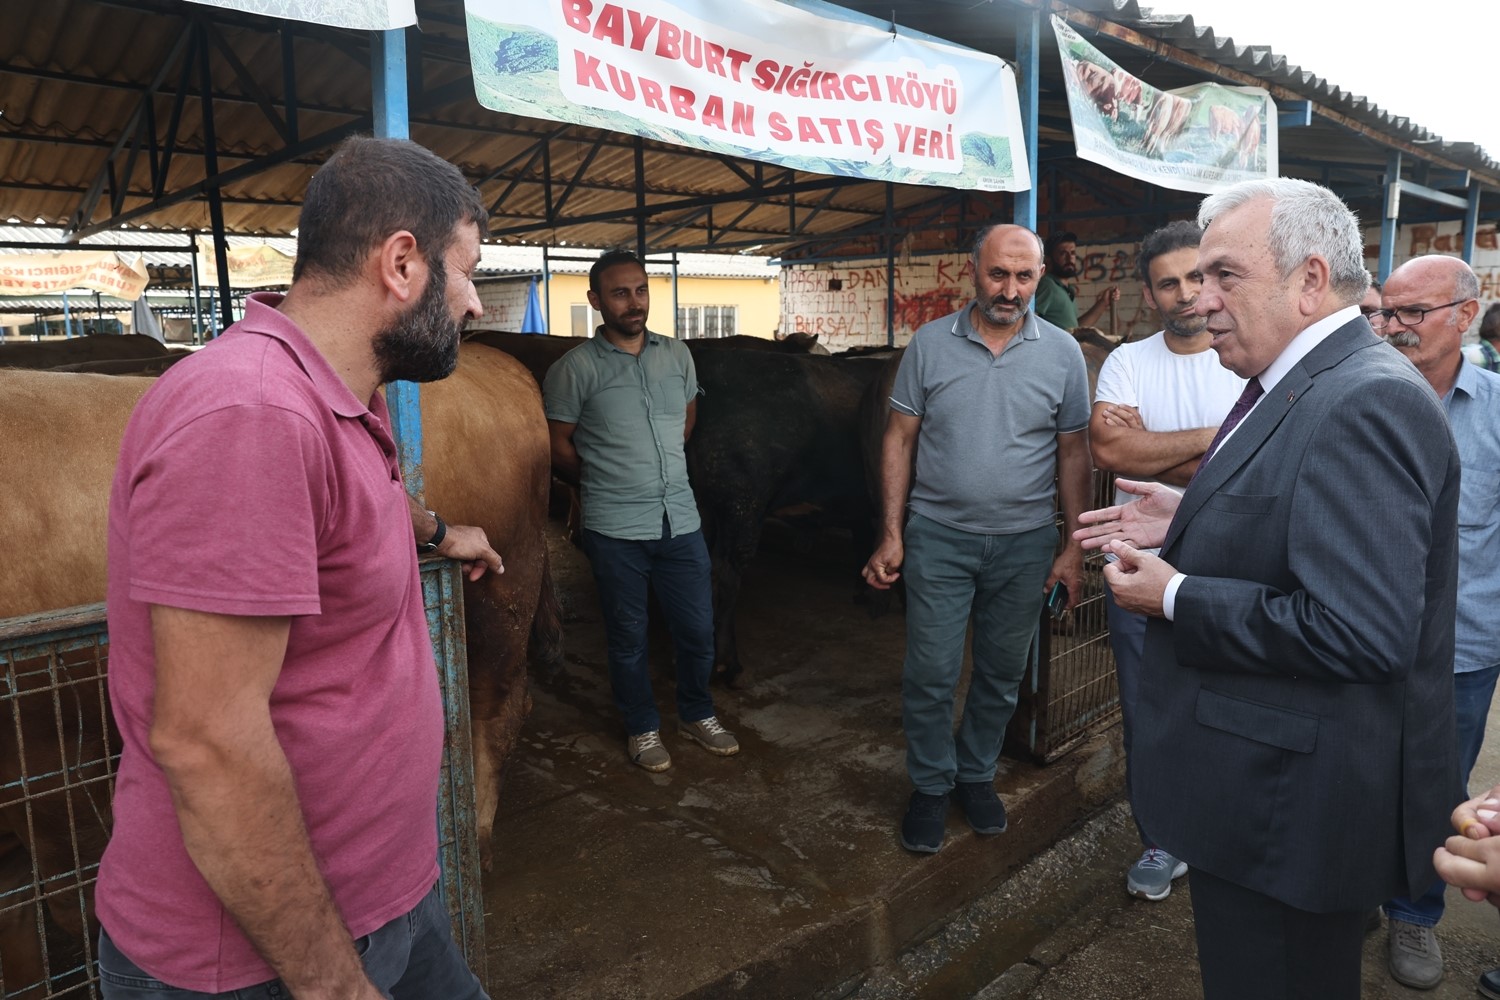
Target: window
[[706, 321], [584, 320]]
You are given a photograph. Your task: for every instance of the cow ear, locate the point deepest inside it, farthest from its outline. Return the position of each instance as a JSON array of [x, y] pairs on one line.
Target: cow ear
[[816, 336]]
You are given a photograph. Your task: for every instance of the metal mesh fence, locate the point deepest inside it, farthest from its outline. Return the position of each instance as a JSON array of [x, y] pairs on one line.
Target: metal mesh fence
[[1070, 689], [58, 754]]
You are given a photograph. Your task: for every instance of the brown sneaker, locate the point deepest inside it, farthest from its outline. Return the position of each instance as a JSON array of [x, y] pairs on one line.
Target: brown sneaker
[[714, 737], [647, 751]]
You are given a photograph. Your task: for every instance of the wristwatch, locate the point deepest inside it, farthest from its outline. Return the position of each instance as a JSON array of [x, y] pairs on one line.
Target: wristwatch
[[437, 536]]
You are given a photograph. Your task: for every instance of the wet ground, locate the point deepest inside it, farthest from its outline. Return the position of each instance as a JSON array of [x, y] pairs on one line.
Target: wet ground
[[777, 873]]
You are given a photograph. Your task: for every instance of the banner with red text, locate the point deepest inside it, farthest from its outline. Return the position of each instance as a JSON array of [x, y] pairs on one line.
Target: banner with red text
[[106, 271], [1201, 138], [809, 86]]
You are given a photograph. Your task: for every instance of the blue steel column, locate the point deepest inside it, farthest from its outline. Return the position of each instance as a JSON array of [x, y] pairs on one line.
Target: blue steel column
[[1471, 222], [1390, 210], [388, 82], [1028, 58]]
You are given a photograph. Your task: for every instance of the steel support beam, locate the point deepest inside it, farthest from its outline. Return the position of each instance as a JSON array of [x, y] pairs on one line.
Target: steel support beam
[[1438, 197], [1294, 114], [392, 121], [211, 168], [1388, 217], [1471, 223], [1028, 86]]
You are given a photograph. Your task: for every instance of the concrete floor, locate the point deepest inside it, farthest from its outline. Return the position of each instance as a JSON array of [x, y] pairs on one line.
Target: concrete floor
[[777, 873]]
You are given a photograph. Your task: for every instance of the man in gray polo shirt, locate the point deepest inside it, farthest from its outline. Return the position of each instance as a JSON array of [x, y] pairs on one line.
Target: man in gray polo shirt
[[999, 401], [619, 409]]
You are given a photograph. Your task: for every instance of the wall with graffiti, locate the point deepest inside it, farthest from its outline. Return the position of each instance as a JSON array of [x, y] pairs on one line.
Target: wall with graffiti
[[1447, 238], [846, 304]]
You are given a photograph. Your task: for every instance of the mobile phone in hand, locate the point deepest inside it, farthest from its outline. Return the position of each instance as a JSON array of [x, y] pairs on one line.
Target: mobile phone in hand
[[1057, 600]]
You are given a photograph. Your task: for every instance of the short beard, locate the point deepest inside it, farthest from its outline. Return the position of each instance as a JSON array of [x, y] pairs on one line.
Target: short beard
[[1065, 270], [1402, 338], [1186, 329], [988, 308], [421, 344]]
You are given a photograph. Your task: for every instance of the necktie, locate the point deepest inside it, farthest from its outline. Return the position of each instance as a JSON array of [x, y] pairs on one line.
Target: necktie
[[1242, 406]]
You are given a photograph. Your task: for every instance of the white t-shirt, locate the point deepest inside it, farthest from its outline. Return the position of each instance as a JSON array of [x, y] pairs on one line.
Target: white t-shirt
[[1172, 392]]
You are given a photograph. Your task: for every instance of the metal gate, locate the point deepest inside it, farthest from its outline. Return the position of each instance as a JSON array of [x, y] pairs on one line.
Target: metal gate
[[58, 753], [1070, 689]]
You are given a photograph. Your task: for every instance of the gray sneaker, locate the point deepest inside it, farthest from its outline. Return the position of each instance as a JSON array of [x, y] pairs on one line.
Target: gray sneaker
[[1414, 956], [647, 751], [1151, 876], [714, 737]]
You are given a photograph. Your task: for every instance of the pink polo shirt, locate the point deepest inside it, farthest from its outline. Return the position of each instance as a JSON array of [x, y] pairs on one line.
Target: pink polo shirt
[[251, 481]]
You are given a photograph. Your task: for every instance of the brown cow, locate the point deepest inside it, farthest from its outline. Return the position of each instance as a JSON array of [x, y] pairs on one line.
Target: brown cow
[[95, 347], [62, 438]]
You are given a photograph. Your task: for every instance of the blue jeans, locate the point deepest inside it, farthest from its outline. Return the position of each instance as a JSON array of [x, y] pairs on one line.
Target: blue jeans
[[678, 570], [1472, 692], [1127, 640], [410, 958], [950, 576]]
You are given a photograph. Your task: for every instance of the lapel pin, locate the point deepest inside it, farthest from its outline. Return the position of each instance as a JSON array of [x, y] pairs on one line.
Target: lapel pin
[[1290, 396]]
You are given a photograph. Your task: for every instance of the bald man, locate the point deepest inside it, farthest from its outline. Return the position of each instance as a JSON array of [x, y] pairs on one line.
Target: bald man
[[1428, 305], [999, 400]]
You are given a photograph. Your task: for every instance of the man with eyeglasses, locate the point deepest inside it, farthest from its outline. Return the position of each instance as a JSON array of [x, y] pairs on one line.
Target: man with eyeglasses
[[1429, 303]]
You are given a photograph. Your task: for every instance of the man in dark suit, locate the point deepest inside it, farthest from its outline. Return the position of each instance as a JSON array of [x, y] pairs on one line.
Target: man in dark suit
[[1295, 740]]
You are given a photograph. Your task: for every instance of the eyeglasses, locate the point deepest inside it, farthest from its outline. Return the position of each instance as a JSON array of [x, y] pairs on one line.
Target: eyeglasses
[[1407, 315]]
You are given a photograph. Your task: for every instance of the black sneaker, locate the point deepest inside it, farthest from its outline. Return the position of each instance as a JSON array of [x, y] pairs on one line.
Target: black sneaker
[[922, 826], [980, 806], [1489, 984]]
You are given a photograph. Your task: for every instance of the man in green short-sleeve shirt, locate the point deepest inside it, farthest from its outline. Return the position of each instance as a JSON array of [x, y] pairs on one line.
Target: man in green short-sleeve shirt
[[620, 409]]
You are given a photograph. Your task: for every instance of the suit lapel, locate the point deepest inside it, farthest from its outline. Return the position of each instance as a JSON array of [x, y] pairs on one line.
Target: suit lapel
[[1262, 422]]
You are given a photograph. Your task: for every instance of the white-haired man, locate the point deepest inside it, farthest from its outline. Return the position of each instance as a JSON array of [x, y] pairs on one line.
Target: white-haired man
[[1295, 744]]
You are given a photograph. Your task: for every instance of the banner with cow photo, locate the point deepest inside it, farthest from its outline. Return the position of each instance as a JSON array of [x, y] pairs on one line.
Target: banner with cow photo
[[809, 86], [1200, 138]]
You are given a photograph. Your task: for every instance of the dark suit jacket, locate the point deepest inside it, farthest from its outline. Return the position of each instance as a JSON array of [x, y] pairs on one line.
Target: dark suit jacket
[[1295, 732]]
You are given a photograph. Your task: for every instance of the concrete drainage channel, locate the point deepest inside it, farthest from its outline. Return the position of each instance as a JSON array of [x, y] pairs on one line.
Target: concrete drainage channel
[[1004, 943]]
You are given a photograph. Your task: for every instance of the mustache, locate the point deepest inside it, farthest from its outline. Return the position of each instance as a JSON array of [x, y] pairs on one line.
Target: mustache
[[1401, 338]]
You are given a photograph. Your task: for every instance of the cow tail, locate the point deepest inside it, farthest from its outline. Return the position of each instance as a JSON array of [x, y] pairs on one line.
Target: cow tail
[[545, 648]]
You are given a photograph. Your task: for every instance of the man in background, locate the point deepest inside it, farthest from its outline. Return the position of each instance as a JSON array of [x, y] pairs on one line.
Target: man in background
[[620, 409], [1054, 299], [1429, 304], [1158, 403]]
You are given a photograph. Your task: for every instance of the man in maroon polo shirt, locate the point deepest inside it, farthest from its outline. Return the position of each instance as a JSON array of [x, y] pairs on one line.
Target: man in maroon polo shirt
[[270, 669]]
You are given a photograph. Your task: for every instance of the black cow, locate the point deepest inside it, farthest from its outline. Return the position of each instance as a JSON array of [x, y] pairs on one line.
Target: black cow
[[774, 430]]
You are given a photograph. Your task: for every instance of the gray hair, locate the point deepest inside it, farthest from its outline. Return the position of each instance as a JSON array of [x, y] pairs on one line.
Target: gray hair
[[984, 234], [1465, 284], [1306, 220]]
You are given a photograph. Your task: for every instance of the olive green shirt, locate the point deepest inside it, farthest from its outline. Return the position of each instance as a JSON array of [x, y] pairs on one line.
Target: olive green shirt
[[1054, 303], [631, 412]]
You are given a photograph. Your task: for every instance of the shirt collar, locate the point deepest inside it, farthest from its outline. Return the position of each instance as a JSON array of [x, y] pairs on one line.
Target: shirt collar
[[964, 327], [264, 318], [604, 345], [1302, 345], [1468, 380]]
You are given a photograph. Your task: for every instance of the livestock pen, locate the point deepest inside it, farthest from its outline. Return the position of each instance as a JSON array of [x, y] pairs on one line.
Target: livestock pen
[[58, 754]]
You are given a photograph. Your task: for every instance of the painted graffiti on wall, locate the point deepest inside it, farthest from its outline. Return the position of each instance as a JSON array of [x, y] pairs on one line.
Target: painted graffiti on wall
[[847, 305]]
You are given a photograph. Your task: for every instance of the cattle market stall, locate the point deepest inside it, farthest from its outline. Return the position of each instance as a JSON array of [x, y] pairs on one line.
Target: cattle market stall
[[178, 117]]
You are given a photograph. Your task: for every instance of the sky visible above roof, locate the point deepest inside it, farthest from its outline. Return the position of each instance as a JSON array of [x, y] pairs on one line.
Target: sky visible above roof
[[1431, 62]]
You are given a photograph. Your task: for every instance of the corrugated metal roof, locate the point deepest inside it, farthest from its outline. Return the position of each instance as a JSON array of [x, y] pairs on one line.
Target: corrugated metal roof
[[73, 72]]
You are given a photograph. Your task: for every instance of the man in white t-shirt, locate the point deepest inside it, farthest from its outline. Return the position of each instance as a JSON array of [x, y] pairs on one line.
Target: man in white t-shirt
[[1158, 404]]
